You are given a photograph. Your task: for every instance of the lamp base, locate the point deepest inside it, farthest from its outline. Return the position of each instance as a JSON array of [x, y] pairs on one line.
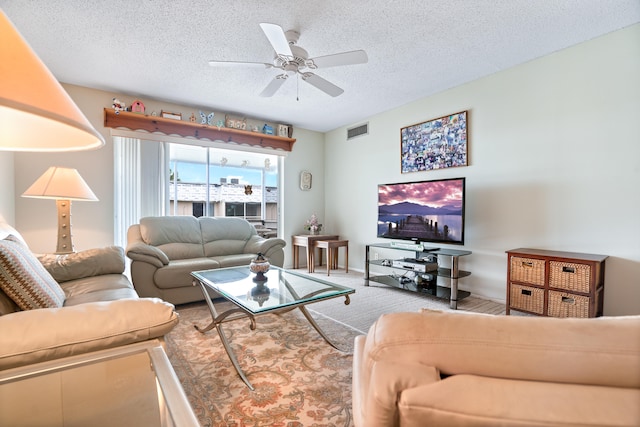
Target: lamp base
[[65, 242]]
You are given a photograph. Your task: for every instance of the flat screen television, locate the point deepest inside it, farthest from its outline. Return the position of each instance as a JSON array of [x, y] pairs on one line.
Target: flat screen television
[[422, 211]]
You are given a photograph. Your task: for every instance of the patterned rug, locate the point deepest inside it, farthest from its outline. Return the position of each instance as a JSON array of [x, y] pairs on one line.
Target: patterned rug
[[299, 379]]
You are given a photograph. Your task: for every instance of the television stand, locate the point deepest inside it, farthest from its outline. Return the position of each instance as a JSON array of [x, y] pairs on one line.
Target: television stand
[[403, 282]]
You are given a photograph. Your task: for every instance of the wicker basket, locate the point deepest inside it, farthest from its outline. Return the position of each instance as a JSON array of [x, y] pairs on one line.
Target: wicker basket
[[526, 298], [563, 304], [527, 270], [569, 276]]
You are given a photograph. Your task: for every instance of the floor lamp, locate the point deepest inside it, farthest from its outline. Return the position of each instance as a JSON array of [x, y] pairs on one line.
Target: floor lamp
[[63, 185]]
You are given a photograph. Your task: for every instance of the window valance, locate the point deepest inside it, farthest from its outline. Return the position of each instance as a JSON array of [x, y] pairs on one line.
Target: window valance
[[166, 126]]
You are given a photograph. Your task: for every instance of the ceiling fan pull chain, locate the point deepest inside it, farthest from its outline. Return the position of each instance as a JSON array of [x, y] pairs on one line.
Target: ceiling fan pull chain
[[298, 87]]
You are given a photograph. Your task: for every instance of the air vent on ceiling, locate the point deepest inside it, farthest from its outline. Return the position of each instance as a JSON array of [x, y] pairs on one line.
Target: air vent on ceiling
[[357, 131]]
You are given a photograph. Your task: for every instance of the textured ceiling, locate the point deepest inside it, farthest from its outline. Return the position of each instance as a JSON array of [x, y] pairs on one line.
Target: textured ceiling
[[158, 49]]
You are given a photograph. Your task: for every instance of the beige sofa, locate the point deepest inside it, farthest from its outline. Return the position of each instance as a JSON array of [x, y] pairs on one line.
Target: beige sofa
[[165, 250], [452, 369], [53, 306]]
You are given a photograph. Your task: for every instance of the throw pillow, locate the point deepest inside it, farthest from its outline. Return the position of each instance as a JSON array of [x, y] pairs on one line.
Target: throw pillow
[[25, 280], [6, 304]]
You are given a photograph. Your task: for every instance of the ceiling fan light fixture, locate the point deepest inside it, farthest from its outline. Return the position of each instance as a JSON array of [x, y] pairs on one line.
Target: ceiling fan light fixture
[[294, 60], [291, 69]]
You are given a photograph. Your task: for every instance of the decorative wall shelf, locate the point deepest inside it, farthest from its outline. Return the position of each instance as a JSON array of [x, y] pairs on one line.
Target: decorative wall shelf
[[153, 124]]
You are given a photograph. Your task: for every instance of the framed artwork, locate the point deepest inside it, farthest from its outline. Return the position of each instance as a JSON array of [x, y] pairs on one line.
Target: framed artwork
[[434, 144]]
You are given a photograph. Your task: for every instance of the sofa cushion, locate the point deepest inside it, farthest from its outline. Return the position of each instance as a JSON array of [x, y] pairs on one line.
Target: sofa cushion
[[106, 287], [179, 237], [486, 402], [234, 260], [92, 262], [225, 236], [178, 273], [519, 347], [25, 280], [81, 328]]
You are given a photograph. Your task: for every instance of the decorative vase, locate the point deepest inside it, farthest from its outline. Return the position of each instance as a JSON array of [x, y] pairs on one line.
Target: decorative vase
[[259, 265], [314, 231]]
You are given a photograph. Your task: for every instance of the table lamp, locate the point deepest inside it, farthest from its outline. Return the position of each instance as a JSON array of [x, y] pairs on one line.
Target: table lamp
[[63, 185], [36, 114]]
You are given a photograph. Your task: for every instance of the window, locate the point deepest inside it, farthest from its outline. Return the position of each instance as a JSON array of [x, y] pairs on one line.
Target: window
[[155, 177], [207, 181]]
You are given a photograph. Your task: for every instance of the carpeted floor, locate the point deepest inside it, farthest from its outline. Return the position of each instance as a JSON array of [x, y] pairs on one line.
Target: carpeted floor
[[299, 379], [369, 302]]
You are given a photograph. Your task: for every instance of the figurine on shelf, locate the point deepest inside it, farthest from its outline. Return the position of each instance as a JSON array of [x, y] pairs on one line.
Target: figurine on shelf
[[207, 119], [137, 107], [117, 105], [267, 130], [192, 119]]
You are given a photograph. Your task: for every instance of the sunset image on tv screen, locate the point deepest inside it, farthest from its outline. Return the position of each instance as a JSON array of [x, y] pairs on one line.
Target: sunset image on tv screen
[[426, 211]]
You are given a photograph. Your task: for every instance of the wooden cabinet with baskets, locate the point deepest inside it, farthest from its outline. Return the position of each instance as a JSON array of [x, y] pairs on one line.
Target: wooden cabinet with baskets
[[555, 284]]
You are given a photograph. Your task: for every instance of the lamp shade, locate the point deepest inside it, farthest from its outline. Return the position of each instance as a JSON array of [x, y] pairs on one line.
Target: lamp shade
[[36, 114], [60, 183]]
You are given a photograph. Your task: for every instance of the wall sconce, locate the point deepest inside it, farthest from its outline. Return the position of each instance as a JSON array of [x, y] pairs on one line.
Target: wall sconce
[[63, 185], [36, 114]]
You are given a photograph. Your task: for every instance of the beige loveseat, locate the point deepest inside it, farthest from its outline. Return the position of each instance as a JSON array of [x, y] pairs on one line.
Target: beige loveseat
[[164, 251], [53, 306], [452, 369]]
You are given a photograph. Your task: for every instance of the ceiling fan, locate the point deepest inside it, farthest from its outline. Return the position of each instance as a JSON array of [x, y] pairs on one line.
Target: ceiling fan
[[294, 60]]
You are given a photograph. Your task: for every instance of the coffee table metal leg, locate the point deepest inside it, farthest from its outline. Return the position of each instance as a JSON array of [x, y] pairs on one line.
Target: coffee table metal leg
[[216, 322], [317, 327], [232, 356]]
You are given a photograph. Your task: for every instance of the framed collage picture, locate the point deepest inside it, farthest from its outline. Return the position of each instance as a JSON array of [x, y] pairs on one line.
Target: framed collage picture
[[434, 144]]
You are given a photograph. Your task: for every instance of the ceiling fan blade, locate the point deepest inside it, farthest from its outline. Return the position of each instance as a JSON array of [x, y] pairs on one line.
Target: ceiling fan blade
[[276, 37], [322, 84], [273, 86], [345, 58], [215, 63]]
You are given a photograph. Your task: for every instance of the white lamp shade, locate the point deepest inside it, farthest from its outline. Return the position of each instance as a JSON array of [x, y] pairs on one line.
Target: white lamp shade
[[60, 183], [36, 114]]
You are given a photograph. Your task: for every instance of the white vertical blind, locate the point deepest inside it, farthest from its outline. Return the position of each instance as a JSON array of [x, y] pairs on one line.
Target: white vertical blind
[[138, 165], [127, 186], [153, 179]]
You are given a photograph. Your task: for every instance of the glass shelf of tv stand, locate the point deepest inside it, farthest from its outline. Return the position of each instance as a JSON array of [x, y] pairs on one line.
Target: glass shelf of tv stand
[[453, 274]]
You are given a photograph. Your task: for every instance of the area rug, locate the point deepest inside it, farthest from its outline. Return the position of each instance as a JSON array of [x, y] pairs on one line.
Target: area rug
[[299, 379]]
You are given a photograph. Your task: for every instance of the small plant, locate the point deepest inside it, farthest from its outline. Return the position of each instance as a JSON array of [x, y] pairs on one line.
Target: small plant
[[313, 225]]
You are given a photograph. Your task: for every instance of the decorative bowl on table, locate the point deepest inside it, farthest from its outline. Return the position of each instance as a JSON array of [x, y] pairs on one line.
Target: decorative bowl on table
[[259, 265]]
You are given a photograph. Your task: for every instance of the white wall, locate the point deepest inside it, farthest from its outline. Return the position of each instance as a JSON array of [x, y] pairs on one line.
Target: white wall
[[554, 153]]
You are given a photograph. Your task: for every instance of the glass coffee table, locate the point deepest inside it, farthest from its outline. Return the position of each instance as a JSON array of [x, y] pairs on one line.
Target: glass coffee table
[[283, 290]]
